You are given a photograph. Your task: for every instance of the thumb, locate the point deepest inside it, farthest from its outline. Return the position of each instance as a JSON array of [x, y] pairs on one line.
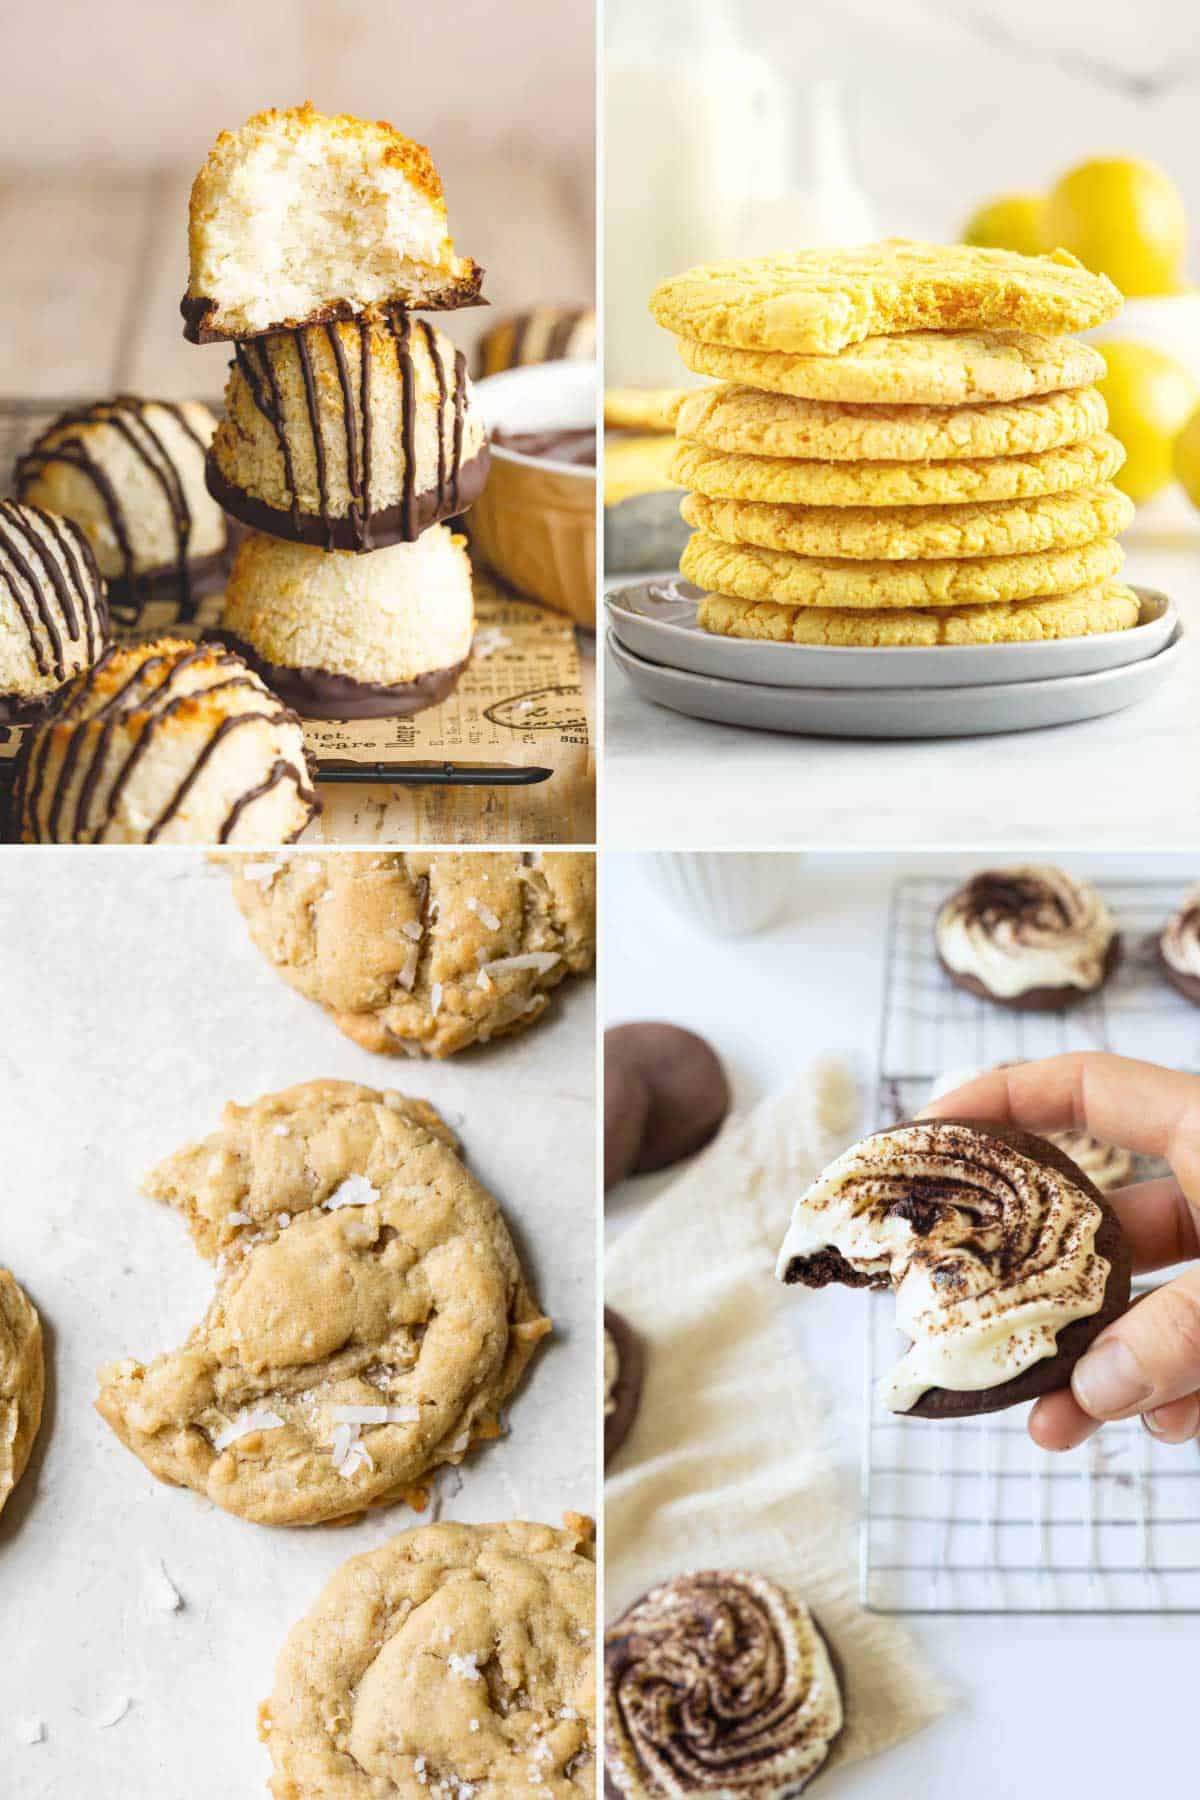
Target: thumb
[[1146, 1358]]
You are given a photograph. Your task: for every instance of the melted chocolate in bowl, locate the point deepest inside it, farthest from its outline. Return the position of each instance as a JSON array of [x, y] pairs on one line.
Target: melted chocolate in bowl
[[564, 444]]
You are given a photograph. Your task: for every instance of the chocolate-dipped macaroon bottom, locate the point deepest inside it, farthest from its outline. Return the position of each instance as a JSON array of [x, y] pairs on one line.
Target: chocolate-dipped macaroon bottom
[[324, 694], [1052, 1372], [1037, 999], [129, 600], [402, 523]]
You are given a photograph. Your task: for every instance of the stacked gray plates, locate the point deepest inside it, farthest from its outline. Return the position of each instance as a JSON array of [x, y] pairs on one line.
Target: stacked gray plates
[[899, 692]]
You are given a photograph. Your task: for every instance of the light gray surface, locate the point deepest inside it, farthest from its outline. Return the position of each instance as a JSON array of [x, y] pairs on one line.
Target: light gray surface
[[1047, 1706], [941, 712], [1132, 778], [656, 619], [135, 1005]]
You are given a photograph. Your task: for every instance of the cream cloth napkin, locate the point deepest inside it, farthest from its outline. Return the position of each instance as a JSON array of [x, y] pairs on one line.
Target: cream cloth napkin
[[729, 1462]]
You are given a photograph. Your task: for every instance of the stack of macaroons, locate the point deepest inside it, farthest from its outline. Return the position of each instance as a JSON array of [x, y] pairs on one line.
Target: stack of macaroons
[[904, 445], [130, 474], [167, 742], [53, 610], [350, 425]]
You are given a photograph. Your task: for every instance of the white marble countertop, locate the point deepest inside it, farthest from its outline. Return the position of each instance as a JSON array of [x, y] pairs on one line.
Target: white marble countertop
[[1132, 778], [136, 1005], [1035, 1692]]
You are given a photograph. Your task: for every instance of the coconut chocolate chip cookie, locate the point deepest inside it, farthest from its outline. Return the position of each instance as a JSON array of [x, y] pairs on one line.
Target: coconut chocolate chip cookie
[[1006, 1261], [22, 1382], [454, 1660], [717, 1683], [370, 1316], [423, 952]]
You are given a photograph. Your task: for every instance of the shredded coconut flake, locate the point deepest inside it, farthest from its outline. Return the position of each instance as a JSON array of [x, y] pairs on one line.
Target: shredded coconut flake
[[163, 1592], [237, 1218], [262, 872], [463, 1666], [542, 961], [411, 929], [483, 913], [474, 1725], [254, 1419], [112, 1715], [356, 1190], [377, 1415], [282, 1130], [408, 973], [435, 998], [283, 1220]]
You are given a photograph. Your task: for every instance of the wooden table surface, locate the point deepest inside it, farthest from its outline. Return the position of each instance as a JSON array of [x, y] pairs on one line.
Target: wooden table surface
[[96, 262]]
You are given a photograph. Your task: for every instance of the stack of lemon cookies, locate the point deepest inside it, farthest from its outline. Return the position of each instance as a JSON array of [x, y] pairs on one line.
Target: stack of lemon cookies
[[904, 446]]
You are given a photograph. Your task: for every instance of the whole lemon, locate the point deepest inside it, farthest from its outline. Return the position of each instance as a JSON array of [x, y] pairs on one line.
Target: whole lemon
[[1187, 458], [1150, 399], [1123, 218], [1010, 222]]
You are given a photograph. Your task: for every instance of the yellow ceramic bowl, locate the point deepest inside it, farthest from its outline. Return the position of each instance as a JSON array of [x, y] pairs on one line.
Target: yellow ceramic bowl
[[535, 522]]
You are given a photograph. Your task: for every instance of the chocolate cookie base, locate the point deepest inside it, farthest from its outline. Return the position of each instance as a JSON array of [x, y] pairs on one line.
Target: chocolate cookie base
[[197, 311], [390, 525], [665, 1096], [1037, 999], [18, 710], [1051, 1372], [631, 1365], [323, 694], [1187, 985], [129, 600]]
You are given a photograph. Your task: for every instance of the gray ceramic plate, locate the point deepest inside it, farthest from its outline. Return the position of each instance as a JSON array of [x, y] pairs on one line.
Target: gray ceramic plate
[[657, 620], [900, 712]]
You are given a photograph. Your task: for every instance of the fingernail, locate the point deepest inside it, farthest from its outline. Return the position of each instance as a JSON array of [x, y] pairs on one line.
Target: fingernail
[[1186, 1423], [1110, 1380]]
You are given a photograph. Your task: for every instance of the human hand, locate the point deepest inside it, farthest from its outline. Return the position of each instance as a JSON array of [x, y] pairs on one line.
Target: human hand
[[1147, 1361]]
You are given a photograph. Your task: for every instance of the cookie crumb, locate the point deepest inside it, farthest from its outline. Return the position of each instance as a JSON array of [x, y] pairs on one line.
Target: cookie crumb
[[113, 1714], [163, 1592], [31, 1731]]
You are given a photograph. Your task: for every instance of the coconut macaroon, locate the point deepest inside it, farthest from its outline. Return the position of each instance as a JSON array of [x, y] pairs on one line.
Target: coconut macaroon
[[349, 435], [342, 636], [53, 609], [300, 217], [166, 742], [130, 473]]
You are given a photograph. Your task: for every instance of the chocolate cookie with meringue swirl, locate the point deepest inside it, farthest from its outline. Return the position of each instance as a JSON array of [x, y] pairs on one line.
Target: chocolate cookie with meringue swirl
[[1179, 949], [1031, 938], [717, 1682], [1005, 1259]]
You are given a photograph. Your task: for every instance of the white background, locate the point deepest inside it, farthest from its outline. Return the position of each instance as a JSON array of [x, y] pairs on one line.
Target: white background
[[134, 1006], [1048, 1706]]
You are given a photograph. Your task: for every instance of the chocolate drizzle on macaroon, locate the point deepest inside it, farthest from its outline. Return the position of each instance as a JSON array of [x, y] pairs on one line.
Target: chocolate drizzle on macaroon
[[718, 1683], [47, 568], [361, 527], [72, 442]]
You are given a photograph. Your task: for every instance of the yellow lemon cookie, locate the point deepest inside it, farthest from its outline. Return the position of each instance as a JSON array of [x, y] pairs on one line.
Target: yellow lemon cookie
[[637, 465], [787, 481], [813, 302], [1106, 606], [750, 573], [748, 421], [930, 368], [906, 533], [653, 409]]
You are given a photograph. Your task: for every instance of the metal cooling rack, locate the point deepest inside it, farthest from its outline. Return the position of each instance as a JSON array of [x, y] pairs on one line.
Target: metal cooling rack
[[967, 1515]]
